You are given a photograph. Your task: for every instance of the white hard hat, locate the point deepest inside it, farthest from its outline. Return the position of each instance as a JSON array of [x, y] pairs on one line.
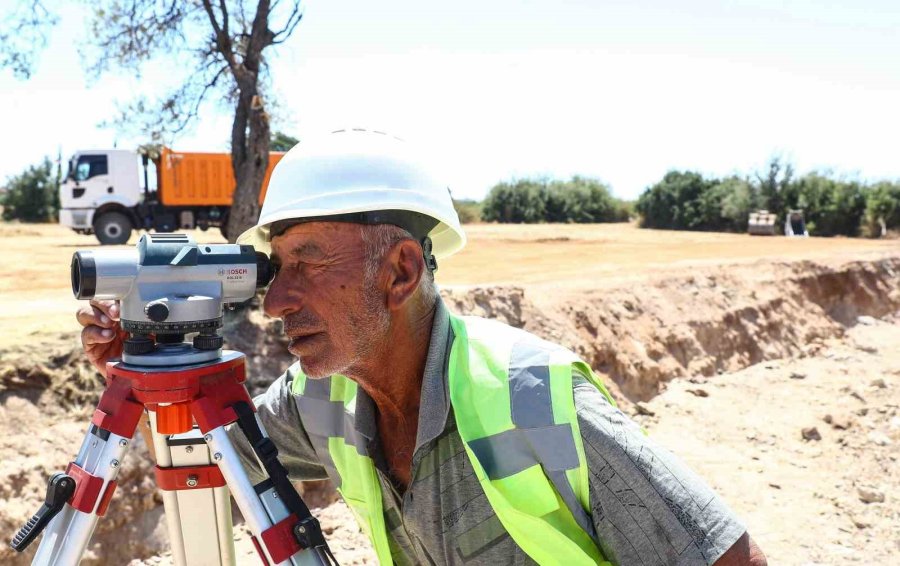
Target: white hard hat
[[357, 176]]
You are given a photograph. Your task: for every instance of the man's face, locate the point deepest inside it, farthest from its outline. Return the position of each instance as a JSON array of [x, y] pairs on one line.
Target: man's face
[[336, 319]]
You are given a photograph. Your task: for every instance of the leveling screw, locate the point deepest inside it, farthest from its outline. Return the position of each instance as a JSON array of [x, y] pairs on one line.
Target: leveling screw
[[192, 481]]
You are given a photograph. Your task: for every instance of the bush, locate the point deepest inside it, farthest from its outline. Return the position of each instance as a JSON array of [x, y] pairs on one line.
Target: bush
[[517, 202], [685, 200], [882, 209], [469, 211], [831, 207], [580, 200], [739, 198], [33, 195], [678, 203], [585, 201]]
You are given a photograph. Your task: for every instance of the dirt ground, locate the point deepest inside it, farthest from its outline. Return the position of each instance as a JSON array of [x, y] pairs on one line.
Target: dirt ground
[[825, 496], [35, 292], [829, 499], [729, 350]]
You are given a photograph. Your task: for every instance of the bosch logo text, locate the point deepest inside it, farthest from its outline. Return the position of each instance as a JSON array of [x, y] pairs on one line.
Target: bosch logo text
[[234, 272]]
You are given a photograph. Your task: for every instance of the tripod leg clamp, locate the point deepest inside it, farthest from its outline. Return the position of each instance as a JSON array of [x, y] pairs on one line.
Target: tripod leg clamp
[[59, 489], [87, 490], [280, 540]]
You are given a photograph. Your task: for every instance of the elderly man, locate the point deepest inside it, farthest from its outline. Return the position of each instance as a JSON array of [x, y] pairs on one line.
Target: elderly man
[[453, 439]]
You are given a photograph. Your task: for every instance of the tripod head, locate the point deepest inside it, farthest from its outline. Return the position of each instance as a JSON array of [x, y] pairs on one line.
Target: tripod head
[[168, 287]]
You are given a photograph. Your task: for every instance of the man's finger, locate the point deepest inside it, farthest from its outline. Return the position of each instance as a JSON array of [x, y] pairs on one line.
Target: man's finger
[[96, 335], [93, 316], [109, 308]]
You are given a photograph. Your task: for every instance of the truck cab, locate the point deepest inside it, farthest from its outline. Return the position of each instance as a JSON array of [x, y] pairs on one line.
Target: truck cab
[[99, 192], [112, 192]]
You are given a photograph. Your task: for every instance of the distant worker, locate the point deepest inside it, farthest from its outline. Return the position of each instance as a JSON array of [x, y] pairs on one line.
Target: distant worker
[[453, 439]]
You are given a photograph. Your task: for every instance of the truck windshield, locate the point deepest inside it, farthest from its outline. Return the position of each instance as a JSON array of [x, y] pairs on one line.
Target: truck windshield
[[90, 166]]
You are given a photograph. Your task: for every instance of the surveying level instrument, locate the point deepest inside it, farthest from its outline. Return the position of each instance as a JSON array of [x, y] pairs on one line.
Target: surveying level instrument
[[170, 287]]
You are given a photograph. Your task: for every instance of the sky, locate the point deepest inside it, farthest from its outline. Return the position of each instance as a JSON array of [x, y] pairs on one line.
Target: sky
[[620, 90]]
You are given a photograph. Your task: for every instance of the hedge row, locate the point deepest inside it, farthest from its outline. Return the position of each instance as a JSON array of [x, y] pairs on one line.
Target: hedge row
[[685, 200], [576, 200]]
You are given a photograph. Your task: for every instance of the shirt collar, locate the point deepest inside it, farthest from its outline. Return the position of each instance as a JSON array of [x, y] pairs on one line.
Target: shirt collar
[[434, 403]]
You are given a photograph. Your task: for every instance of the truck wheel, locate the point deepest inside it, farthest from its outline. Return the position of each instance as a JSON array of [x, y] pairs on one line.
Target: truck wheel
[[112, 228]]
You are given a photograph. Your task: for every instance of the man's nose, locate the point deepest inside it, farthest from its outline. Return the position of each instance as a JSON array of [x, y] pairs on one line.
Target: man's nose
[[282, 298]]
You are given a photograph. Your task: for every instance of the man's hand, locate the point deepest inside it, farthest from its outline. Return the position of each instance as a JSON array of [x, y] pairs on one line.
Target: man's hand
[[102, 337], [743, 553]]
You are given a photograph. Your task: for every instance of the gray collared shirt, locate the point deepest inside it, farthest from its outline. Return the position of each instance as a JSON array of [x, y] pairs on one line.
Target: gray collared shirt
[[646, 506]]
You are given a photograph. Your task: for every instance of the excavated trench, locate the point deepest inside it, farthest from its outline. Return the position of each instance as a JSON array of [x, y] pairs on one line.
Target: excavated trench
[[714, 320], [637, 336]]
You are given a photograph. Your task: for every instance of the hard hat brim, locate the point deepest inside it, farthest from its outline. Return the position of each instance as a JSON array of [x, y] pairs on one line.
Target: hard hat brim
[[445, 237]]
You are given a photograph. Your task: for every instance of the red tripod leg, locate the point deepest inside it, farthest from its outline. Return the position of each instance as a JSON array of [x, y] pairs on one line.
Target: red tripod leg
[[272, 509], [94, 472]]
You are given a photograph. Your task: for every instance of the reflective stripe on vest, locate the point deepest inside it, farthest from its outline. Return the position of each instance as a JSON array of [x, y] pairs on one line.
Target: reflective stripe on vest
[[512, 399], [512, 396], [327, 408]]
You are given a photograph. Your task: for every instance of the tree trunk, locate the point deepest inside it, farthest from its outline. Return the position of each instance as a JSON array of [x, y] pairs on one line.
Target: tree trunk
[[249, 159]]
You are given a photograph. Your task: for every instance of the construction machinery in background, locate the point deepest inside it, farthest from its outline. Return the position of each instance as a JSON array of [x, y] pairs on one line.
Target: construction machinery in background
[[761, 223], [110, 193], [795, 224]]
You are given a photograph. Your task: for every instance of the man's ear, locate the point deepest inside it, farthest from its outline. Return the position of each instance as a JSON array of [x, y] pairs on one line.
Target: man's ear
[[405, 268]]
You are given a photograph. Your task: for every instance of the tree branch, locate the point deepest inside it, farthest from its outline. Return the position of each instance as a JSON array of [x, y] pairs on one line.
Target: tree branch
[[223, 40], [129, 33], [288, 29], [23, 36], [201, 97], [260, 36]]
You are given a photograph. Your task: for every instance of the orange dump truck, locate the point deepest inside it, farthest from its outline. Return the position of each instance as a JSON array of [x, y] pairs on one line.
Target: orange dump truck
[[110, 193]]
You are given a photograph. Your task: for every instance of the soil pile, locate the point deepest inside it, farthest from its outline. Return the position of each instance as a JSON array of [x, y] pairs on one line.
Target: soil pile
[[713, 320]]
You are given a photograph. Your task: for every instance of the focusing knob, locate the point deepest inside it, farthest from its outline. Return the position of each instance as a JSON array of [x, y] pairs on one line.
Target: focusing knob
[[157, 311], [208, 342], [139, 345]]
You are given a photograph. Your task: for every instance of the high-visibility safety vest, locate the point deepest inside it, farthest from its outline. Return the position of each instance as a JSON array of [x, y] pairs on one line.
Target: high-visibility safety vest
[[512, 398]]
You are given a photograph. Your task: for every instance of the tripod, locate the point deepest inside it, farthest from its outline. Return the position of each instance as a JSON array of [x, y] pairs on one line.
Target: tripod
[[197, 465]]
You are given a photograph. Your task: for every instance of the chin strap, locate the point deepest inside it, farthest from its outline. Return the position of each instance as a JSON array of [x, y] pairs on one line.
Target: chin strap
[[430, 261]]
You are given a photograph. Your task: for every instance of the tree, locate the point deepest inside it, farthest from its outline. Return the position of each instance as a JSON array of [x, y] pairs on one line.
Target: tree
[[739, 199], [579, 199], [586, 200], [32, 196], [882, 208], [218, 45], [675, 202], [467, 210], [775, 186], [24, 36], [522, 201], [831, 206], [282, 141]]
